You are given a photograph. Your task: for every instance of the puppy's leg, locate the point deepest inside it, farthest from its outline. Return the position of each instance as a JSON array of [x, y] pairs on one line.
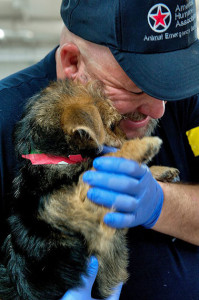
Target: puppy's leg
[[140, 150]]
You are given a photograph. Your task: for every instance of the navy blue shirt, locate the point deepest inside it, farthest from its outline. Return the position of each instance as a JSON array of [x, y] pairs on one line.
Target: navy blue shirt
[[160, 266], [15, 90]]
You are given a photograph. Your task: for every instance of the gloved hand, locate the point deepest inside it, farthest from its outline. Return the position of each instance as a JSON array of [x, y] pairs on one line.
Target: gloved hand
[[84, 292], [127, 187]]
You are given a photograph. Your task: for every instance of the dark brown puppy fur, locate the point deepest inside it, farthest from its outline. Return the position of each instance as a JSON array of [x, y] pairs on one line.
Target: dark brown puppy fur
[[54, 228]]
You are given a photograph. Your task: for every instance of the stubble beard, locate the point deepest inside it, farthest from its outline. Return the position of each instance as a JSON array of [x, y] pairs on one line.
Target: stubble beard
[[151, 127]]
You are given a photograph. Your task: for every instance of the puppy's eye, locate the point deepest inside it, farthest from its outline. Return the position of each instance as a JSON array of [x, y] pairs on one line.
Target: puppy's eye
[[112, 127]]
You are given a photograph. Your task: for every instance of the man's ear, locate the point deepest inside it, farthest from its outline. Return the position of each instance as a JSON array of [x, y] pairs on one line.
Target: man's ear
[[70, 56]]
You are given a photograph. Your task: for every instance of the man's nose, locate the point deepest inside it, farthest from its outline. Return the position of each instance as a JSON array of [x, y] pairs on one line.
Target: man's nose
[[152, 107]]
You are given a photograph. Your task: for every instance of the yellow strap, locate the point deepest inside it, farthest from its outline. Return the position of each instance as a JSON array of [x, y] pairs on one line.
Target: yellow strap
[[193, 138]]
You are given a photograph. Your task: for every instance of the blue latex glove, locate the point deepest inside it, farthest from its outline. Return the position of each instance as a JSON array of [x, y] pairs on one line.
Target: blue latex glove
[[127, 187], [84, 292], [107, 149]]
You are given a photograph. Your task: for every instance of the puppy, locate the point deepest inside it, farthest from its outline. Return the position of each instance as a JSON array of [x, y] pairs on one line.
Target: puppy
[[54, 228]]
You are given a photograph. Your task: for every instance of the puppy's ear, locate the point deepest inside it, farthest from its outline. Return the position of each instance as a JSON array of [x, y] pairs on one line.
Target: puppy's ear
[[84, 122]]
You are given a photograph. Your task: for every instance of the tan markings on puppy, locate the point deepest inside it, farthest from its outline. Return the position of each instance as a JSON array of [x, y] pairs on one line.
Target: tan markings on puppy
[[72, 210], [82, 117], [110, 116], [66, 209]]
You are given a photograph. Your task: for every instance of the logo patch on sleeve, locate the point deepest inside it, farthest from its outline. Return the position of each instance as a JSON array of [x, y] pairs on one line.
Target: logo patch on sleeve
[[193, 138]]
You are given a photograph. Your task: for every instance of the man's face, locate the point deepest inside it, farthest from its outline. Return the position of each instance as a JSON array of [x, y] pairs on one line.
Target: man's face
[[140, 110]]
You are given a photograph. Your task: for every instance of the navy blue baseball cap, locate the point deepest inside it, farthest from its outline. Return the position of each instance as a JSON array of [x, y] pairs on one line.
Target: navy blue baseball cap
[[154, 41]]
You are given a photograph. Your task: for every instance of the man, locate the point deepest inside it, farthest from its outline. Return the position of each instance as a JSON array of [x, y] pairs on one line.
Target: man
[[145, 53]]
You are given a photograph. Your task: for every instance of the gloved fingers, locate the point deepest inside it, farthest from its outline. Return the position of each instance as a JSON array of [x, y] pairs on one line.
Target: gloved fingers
[[92, 270], [107, 149], [116, 293], [110, 199], [84, 291], [115, 182], [145, 185], [119, 220], [72, 295], [119, 165]]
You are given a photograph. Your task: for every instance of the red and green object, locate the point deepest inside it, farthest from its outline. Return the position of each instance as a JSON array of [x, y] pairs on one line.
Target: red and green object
[[45, 159]]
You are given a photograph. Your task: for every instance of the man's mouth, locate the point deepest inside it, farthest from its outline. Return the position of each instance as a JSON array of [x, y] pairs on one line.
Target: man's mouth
[[135, 120], [136, 116]]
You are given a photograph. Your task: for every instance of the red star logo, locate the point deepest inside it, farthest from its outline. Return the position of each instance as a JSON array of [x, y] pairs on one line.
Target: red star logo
[[160, 18]]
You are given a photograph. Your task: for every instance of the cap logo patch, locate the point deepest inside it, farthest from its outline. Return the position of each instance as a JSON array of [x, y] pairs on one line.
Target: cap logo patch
[[159, 18]]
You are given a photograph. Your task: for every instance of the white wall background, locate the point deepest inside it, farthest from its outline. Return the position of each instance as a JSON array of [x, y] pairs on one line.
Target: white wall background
[[31, 28]]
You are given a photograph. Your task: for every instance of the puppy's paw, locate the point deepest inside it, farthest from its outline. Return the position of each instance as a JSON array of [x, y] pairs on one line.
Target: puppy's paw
[[140, 150], [165, 174]]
